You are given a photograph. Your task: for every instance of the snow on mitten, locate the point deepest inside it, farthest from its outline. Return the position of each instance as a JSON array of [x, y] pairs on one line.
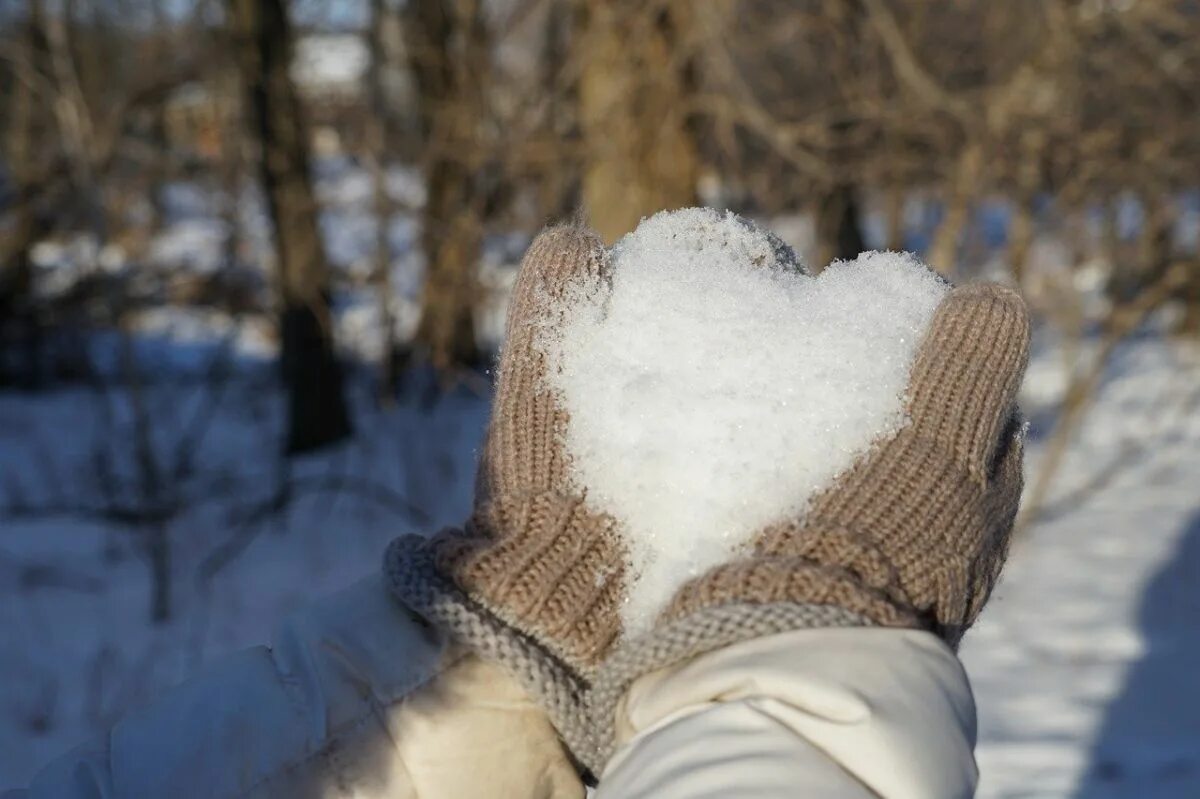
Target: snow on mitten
[[533, 580]]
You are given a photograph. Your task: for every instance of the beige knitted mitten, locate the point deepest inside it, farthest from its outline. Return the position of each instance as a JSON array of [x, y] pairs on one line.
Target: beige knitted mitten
[[914, 535], [534, 579]]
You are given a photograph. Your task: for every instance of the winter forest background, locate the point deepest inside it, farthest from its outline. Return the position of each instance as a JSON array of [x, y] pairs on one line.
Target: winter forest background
[[253, 265]]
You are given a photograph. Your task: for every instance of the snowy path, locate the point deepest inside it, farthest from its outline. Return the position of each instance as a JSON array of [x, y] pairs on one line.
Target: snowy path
[[1085, 663]]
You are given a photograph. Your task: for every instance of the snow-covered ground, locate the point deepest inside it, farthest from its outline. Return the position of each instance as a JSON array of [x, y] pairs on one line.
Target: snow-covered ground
[[77, 646], [1083, 664]]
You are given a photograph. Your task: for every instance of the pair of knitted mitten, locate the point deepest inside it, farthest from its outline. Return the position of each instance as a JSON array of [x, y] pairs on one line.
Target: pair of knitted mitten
[[913, 535]]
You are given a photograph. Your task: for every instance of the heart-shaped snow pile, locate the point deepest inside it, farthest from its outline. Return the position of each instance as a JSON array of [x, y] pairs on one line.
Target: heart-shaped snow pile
[[715, 388]]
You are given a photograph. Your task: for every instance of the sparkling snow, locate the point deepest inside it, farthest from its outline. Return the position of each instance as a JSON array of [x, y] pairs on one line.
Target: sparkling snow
[[715, 389]]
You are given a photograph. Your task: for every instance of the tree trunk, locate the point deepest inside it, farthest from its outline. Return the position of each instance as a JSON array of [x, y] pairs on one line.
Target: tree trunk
[[1154, 244], [639, 148], [20, 322], [379, 137], [1189, 323], [839, 237], [317, 406], [958, 202], [558, 184], [449, 53], [1022, 229], [1020, 236], [894, 201]]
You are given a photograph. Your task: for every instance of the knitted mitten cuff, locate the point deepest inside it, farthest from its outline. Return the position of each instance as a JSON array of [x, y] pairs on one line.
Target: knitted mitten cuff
[[411, 574], [558, 581], [682, 639], [532, 553], [809, 580]]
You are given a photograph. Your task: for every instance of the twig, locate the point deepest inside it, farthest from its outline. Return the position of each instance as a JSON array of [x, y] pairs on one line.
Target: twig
[[250, 525], [1081, 391]]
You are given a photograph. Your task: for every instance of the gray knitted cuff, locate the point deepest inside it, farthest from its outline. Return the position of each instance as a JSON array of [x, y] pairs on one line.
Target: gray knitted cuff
[[682, 639], [584, 713], [413, 579]]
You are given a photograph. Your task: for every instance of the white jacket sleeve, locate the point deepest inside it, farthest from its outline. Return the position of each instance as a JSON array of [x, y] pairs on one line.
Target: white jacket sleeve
[[831, 713], [357, 698]]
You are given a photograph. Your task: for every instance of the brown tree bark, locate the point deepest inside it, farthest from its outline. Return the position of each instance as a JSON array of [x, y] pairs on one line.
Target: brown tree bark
[[1189, 323], [379, 138], [894, 212], [959, 200], [449, 51], [839, 235], [20, 323], [1028, 180], [640, 151], [317, 406], [838, 232], [559, 184]]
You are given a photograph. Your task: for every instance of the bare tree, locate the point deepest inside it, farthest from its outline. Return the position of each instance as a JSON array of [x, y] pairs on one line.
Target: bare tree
[[449, 49], [838, 231], [637, 75], [380, 137], [635, 78], [19, 325], [263, 46]]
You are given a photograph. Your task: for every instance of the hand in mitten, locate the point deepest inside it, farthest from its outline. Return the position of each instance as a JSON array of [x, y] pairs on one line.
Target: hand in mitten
[[534, 578], [915, 533]]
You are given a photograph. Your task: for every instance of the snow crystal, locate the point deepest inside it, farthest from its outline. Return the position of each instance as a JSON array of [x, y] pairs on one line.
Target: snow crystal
[[715, 387]]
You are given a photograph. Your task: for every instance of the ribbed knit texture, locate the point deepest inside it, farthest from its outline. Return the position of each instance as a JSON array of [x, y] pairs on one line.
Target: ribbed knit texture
[[532, 554], [674, 642], [915, 534], [412, 575]]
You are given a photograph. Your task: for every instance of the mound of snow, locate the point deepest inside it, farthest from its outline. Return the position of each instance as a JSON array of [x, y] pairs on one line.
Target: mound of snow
[[715, 387]]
